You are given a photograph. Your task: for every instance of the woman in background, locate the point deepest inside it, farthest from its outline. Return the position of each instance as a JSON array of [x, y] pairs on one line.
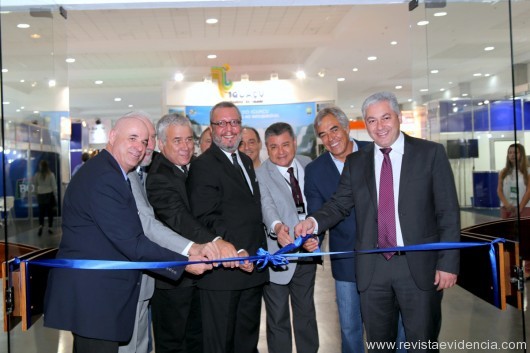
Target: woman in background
[[46, 189], [513, 188]]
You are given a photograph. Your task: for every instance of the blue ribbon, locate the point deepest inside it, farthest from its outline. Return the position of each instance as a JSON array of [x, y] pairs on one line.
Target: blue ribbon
[[263, 258]]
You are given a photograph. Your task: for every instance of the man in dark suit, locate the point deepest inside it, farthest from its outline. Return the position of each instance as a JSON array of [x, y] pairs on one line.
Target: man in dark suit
[[176, 306], [225, 196], [322, 176], [410, 180], [101, 222]]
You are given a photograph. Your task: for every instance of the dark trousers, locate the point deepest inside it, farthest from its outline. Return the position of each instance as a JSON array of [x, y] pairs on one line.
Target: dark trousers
[[231, 319], [92, 345], [299, 292], [393, 290], [46, 206], [177, 324]]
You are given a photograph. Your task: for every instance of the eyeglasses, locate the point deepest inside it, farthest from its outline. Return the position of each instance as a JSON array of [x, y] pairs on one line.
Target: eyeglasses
[[223, 123]]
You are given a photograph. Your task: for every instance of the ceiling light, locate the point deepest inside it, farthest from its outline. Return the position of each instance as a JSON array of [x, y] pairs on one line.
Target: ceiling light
[[117, 99], [179, 77], [35, 112], [34, 84], [35, 36], [52, 83], [478, 74], [5, 70], [23, 25], [212, 21], [22, 81], [207, 79], [212, 56], [489, 48], [355, 69], [322, 73], [479, 103], [424, 90], [399, 87], [300, 74], [372, 58], [434, 71], [409, 100], [393, 42], [465, 94], [70, 60], [244, 78], [423, 23], [487, 75], [486, 102], [6, 102], [274, 76], [440, 14], [130, 106], [341, 79], [442, 89], [98, 82]]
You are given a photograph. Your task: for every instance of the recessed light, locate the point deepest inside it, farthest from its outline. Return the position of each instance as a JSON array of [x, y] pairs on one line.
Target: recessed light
[[409, 100], [35, 36], [393, 42], [6, 102], [5, 70], [212, 21], [440, 14], [341, 79], [434, 71], [486, 101], [300, 74], [70, 60], [52, 83], [22, 81], [179, 76], [423, 23], [98, 82], [117, 99], [478, 74], [130, 106], [212, 56], [464, 94], [487, 75], [355, 69], [23, 25], [479, 103], [372, 58], [424, 90], [442, 89], [489, 48], [352, 106], [399, 87]]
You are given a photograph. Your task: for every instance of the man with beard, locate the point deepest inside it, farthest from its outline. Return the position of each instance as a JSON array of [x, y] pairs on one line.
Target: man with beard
[[224, 195]]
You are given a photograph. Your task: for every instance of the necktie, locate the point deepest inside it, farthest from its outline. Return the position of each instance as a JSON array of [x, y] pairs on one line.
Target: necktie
[[140, 174], [295, 188], [386, 218], [238, 167], [185, 170]]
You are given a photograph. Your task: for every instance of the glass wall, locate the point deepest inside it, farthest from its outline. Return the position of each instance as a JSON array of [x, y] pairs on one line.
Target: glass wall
[[35, 105]]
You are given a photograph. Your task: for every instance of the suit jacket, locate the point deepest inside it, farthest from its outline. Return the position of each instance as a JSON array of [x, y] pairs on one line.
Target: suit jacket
[[154, 230], [427, 206], [321, 181], [224, 203], [100, 222], [277, 205], [166, 190]]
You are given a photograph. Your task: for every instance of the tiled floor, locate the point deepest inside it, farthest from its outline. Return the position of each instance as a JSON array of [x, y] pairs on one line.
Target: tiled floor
[[466, 319]]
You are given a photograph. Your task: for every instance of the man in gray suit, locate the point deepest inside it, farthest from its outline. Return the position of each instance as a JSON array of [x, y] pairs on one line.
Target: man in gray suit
[[283, 204], [412, 181], [160, 234]]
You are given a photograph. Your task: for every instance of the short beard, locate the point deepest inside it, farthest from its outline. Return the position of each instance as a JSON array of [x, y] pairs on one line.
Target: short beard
[[218, 141]]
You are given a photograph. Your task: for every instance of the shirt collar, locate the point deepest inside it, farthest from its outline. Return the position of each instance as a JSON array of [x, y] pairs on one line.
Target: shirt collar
[[398, 146]]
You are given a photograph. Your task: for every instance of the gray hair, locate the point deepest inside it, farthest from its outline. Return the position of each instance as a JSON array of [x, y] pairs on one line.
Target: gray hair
[[225, 104], [336, 112], [170, 119], [252, 129], [381, 97], [134, 114], [277, 129]]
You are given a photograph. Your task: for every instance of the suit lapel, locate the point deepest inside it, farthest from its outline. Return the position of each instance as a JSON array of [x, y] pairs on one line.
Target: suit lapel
[[278, 179], [229, 168], [406, 167], [369, 173]]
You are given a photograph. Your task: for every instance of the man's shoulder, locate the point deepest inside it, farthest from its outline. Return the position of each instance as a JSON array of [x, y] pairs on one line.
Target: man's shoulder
[[303, 160], [318, 162]]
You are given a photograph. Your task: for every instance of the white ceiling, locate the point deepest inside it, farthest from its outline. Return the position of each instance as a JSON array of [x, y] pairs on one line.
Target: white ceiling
[[134, 48]]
